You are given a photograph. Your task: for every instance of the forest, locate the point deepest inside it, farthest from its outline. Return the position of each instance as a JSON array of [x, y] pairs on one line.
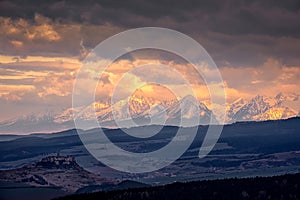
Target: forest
[[277, 187]]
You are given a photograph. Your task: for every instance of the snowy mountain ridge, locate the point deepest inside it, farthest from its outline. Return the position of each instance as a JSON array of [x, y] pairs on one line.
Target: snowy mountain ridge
[[146, 110]]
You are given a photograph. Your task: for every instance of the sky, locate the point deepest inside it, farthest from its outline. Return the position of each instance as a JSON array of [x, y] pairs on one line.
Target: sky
[[255, 45]]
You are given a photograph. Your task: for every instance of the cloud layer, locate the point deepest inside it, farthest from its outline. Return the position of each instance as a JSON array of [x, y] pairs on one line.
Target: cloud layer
[[234, 32], [254, 43]]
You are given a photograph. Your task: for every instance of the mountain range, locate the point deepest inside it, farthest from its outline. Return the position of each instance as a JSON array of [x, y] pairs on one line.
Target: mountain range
[[262, 108], [146, 110]]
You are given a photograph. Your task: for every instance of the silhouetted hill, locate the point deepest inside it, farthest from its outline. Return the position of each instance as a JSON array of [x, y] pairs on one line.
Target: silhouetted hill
[[277, 187], [127, 184], [53, 171]]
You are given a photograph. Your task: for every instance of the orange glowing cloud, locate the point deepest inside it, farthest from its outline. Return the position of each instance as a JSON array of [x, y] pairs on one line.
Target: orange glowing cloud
[[14, 92], [269, 79], [42, 29], [42, 76], [46, 76]]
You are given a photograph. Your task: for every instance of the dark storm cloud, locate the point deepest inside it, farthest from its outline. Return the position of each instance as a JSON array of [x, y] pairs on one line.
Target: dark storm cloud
[[236, 32], [272, 17]]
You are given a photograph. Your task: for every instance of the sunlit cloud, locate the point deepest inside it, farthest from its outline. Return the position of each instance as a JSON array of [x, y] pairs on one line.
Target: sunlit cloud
[[42, 30], [56, 75], [14, 92], [45, 37], [40, 58], [269, 79]]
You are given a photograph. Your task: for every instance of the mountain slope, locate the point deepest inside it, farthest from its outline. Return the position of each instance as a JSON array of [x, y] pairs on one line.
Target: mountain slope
[[261, 108], [276, 113], [35, 122], [255, 106]]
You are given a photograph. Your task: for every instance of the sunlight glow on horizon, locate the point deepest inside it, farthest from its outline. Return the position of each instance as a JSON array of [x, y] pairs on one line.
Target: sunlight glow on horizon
[[46, 76]]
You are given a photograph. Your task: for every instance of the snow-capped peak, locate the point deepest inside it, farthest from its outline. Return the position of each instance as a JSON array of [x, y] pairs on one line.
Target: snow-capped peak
[[254, 106], [165, 111]]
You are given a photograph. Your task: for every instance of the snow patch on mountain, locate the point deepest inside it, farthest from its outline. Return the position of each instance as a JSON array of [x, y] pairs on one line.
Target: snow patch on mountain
[[146, 110]]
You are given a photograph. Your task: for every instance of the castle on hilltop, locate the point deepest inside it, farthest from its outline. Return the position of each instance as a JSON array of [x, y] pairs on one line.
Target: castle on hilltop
[[58, 161]]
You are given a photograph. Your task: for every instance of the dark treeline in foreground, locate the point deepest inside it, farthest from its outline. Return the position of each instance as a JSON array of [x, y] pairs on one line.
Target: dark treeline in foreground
[[276, 187]]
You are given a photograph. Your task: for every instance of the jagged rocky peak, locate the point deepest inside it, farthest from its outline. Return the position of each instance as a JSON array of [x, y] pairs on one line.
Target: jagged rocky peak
[[149, 96], [287, 96], [159, 103]]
